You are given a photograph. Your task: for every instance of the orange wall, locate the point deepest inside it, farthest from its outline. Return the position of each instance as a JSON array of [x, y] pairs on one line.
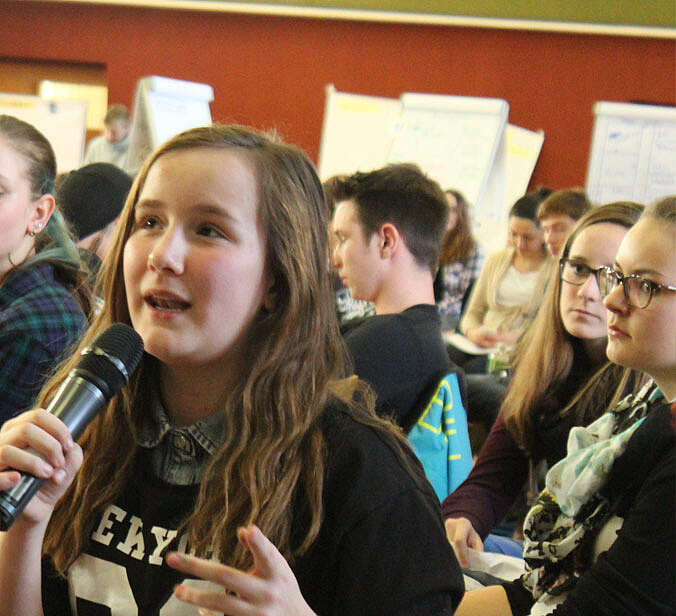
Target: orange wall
[[271, 71]]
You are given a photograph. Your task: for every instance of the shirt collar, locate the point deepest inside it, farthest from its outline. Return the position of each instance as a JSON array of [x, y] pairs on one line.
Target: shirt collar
[[156, 425]]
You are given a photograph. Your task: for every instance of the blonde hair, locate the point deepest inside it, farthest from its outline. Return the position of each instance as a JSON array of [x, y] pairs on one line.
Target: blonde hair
[[662, 209], [545, 354], [273, 444]]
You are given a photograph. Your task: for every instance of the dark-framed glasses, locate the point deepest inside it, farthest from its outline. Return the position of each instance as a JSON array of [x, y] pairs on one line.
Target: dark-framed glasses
[[577, 272], [638, 290]]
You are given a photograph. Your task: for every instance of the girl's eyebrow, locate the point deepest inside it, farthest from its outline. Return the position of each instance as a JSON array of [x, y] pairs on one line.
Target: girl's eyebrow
[[646, 271], [208, 208], [148, 204], [201, 208]]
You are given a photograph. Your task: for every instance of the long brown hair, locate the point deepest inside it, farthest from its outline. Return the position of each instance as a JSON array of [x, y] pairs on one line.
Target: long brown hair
[[458, 242], [273, 444], [545, 354]]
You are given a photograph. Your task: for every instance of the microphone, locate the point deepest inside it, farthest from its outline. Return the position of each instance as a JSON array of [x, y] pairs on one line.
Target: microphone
[[103, 369]]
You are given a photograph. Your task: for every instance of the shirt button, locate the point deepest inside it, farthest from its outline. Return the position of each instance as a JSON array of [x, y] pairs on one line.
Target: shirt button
[[182, 442]]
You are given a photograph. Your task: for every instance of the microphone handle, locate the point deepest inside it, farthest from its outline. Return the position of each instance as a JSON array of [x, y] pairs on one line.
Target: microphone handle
[[76, 403]]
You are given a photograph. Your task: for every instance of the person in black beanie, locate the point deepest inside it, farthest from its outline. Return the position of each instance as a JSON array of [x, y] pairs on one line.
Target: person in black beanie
[[91, 199]]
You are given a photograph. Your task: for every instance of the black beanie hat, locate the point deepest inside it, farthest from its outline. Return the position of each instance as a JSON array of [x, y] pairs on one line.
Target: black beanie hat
[[91, 197]]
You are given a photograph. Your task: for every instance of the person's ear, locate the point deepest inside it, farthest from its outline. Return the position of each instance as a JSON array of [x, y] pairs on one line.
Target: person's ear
[[389, 239], [43, 208], [270, 297]]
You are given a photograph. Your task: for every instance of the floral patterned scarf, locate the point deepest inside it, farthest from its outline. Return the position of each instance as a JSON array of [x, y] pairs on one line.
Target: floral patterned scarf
[[560, 529]]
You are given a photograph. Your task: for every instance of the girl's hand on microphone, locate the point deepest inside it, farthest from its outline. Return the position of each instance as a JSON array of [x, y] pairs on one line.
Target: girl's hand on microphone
[[52, 456]]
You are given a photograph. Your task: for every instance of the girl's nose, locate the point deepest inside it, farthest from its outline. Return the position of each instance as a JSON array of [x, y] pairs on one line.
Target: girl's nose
[[590, 288], [168, 253], [615, 301]]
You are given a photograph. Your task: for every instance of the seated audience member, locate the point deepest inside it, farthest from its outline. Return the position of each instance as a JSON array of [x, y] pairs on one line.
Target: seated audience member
[[43, 299], [460, 262], [388, 225], [91, 199], [238, 454], [600, 539], [509, 289], [558, 214], [350, 311], [561, 378], [112, 146]]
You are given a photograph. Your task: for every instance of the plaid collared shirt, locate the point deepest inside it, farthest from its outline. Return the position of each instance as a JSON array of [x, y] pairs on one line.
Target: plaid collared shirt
[[40, 321], [456, 280]]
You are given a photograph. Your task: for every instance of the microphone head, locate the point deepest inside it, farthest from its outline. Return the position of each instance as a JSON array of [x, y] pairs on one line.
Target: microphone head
[[111, 359]]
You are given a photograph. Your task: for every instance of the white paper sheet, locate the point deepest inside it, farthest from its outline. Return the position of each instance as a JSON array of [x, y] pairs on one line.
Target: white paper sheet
[[466, 345], [499, 565]]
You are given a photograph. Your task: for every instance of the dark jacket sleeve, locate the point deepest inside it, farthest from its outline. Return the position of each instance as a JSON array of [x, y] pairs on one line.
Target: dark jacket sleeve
[[484, 498], [381, 548], [384, 571]]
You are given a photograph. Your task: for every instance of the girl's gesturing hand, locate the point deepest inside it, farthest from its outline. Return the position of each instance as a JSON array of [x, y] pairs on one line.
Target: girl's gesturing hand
[[269, 588]]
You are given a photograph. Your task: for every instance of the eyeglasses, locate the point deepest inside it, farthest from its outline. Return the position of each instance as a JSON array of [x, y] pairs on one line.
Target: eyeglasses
[[577, 272], [638, 291]]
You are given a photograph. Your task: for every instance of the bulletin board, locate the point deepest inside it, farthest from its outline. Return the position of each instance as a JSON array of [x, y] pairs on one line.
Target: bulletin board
[[63, 123], [164, 107], [462, 142], [633, 153]]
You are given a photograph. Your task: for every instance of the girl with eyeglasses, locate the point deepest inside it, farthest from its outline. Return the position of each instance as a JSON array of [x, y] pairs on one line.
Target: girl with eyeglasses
[[638, 290], [561, 378], [600, 539]]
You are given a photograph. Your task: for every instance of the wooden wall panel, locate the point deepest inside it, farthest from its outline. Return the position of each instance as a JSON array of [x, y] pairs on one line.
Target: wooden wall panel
[[23, 76]]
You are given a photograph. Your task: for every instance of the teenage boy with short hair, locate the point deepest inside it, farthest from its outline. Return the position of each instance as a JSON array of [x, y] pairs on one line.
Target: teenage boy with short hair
[[387, 228]]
